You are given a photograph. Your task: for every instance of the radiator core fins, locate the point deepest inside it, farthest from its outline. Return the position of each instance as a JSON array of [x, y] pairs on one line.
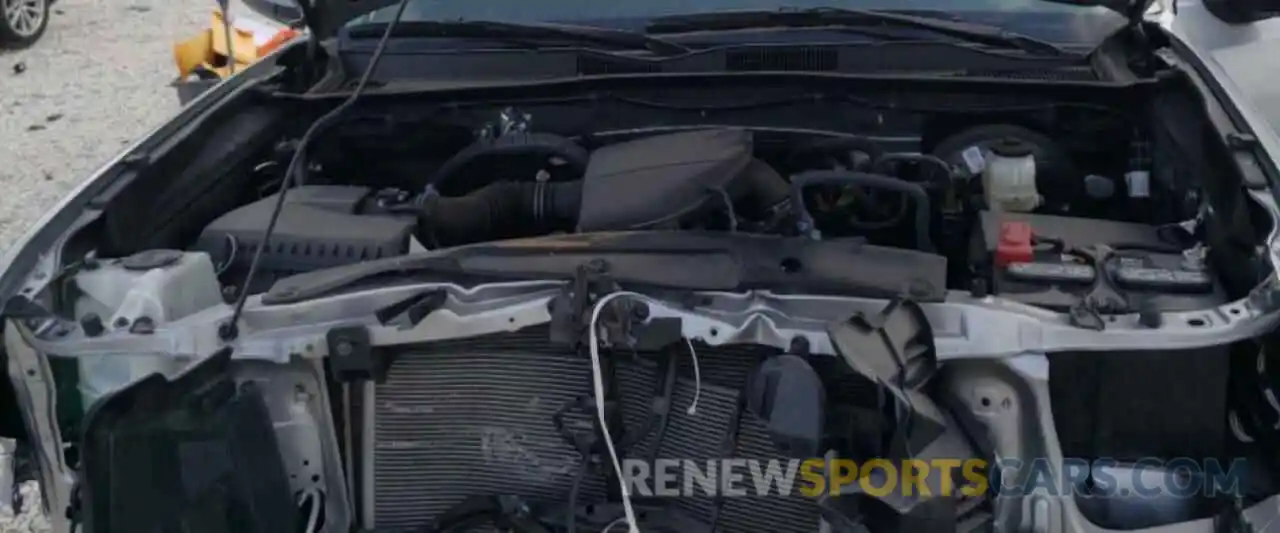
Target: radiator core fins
[[474, 417]]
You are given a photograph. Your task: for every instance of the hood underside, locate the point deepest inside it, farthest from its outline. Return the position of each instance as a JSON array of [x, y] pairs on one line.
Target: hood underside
[[325, 17]]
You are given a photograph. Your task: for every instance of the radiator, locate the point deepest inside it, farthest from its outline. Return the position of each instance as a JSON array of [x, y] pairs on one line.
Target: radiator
[[474, 417]]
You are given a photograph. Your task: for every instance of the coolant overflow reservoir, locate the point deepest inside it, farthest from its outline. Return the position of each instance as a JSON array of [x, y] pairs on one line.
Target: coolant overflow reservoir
[[1009, 177]]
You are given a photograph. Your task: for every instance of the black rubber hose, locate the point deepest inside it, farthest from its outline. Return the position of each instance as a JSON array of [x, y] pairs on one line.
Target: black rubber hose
[[942, 180], [500, 209], [503, 209], [878, 181], [543, 145]]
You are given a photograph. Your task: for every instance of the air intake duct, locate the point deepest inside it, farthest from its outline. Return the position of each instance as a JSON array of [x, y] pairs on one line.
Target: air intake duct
[[500, 210], [656, 182]]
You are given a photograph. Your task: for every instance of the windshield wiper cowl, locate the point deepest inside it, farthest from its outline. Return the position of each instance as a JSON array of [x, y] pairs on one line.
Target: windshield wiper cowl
[[530, 34], [671, 260], [852, 18]]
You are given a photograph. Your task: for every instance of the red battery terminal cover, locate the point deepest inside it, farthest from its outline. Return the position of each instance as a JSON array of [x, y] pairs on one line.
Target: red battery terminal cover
[[1015, 244]]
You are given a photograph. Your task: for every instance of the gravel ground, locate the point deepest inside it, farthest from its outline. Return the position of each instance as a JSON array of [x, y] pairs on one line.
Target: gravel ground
[[97, 81]]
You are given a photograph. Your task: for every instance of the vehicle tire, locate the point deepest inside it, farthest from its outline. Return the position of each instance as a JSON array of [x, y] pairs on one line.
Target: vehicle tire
[[22, 22]]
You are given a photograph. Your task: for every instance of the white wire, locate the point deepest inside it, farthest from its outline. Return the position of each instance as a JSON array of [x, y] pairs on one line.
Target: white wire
[[313, 520], [697, 379], [1237, 429], [597, 383], [609, 527], [235, 249]]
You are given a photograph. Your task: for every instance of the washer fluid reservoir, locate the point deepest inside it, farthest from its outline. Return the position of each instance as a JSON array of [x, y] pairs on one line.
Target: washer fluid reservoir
[[154, 287], [1009, 177]]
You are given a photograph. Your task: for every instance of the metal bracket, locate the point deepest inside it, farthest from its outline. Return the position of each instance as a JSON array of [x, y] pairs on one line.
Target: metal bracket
[[570, 309], [626, 322], [1241, 141], [352, 356]]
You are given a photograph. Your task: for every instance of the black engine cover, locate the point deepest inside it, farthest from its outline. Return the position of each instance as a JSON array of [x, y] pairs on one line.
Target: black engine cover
[[654, 182]]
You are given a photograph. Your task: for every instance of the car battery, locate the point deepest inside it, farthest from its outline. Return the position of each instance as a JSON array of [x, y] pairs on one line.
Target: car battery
[[1040, 260], [1100, 409]]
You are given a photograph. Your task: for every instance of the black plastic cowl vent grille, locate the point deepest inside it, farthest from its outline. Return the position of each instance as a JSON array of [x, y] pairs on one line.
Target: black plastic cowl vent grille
[[1057, 74], [808, 58], [320, 251], [598, 66]]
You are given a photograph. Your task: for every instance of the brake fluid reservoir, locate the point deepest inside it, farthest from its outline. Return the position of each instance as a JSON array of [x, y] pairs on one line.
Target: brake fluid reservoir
[[151, 288], [1009, 177]]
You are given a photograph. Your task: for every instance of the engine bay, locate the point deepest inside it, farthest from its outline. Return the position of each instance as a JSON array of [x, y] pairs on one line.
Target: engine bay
[[1079, 213], [1014, 213]]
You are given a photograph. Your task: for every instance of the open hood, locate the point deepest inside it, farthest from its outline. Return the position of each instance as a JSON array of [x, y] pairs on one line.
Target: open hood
[[1230, 11], [326, 17], [1131, 9]]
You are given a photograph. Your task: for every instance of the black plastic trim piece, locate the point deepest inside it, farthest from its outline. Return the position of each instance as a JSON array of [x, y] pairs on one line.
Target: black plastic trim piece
[[414, 308], [352, 356], [660, 259], [197, 453], [894, 349]]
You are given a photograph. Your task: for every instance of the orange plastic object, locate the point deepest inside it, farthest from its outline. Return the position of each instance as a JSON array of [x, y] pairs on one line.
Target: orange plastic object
[[281, 37]]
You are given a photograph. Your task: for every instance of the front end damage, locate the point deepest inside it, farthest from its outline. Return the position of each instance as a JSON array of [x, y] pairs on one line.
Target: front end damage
[[482, 399]]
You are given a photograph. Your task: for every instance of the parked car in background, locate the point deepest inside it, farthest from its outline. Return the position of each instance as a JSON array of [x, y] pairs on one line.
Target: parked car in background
[[23, 22]]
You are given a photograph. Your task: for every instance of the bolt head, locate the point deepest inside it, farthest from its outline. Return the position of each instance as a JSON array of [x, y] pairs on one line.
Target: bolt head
[[344, 348], [228, 331]]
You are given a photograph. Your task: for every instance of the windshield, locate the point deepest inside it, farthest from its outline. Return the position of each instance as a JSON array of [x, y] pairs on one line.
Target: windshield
[[587, 10]]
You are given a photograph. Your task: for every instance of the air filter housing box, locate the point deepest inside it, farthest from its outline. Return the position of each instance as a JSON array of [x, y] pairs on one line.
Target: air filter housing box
[[320, 226]]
